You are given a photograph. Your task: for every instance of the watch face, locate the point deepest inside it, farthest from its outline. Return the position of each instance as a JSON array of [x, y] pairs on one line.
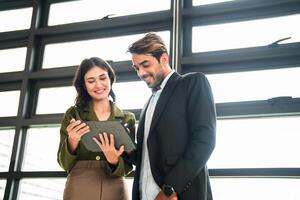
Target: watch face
[[168, 190]]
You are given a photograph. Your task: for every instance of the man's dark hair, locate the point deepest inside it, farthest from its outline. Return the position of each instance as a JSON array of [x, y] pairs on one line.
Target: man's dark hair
[[151, 44]]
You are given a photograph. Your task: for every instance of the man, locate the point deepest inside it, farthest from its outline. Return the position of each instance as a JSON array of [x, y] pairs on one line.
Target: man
[[176, 132]]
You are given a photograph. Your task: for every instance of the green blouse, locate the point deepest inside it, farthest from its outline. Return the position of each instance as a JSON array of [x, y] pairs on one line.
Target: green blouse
[[67, 160]]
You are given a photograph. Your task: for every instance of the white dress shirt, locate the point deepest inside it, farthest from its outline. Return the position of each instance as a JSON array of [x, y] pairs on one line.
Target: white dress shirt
[[147, 185]]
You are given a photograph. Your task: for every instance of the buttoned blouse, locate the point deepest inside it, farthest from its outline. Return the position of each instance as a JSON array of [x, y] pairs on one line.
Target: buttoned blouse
[[67, 160]]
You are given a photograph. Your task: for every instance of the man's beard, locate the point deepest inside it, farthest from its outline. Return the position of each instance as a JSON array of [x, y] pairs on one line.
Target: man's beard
[[159, 79]]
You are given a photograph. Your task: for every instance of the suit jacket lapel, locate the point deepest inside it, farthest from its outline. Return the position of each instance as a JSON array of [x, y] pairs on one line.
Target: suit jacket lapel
[[164, 98]]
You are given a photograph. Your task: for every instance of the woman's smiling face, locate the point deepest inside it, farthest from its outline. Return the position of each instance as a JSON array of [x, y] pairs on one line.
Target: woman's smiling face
[[97, 83]]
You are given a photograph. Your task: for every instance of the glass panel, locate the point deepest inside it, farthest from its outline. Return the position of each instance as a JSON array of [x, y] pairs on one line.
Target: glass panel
[[114, 48], [205, 2], [255, 188], [245, 34], [255, 85], [131, 95], [18, 19], [12, 59], [9, 103], [41, 189], [61, 99], [257, 143], [36, 156], [95, 9], [2, 188], [6, 143]]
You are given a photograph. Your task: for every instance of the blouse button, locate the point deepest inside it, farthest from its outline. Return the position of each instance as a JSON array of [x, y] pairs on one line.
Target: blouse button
[[98, 157]]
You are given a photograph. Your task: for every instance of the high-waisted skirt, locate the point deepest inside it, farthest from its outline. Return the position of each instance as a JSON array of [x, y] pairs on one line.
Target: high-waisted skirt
[[91, 180]]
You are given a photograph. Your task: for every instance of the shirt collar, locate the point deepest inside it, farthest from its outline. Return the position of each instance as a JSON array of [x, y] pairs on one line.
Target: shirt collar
[[115, 111]]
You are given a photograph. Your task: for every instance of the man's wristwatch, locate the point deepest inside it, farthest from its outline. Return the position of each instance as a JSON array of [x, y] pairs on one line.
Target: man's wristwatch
[[168, 190]]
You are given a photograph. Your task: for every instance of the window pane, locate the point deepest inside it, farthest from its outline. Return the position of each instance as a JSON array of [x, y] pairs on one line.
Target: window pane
[[6, 143], [114, 48], [131, 95], [255, 188], [255, 85], [9, 103], [18, 19], [205, 2], [36, 156], [95, 9], [245, 34], [257, 143], [129, 183], [61, 99], [2, 188], [41, 189], [12, 59]]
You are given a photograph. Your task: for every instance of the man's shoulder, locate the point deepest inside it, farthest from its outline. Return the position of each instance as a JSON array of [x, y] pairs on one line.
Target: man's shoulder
[[194, 77]]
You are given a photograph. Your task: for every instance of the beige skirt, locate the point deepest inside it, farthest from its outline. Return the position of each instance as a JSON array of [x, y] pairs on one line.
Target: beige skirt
[[90, 180]]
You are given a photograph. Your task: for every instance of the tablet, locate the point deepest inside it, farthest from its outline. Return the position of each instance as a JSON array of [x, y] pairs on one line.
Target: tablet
[[110, 127]]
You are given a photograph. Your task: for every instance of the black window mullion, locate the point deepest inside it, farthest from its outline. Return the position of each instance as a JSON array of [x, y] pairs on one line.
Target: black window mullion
[[247, 59], [277, 106], [12, 185], [14, 4]]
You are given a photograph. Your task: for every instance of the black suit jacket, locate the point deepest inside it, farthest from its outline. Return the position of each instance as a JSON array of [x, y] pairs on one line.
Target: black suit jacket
[[181, 137]]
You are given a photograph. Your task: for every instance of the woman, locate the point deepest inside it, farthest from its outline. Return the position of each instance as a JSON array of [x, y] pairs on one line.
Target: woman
[[94, 175]]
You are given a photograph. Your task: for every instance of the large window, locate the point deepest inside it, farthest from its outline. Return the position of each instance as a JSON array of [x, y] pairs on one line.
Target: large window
[[15, 19], [252, 33], [36, 156], [94, 9], [73, 53], [249, 51], [138, 91], [255, 85], [207, 2], [41, 189], [2, 187], [9, 103], [255, 188], [12, 59], [6, 143], [61, 99], [257, 143]]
